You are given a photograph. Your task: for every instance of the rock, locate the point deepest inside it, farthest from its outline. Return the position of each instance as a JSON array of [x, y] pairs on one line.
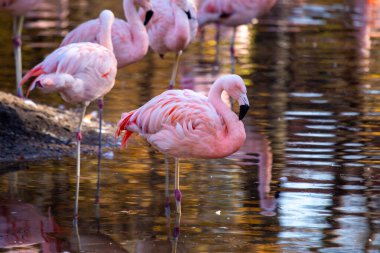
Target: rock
[[33, 131]]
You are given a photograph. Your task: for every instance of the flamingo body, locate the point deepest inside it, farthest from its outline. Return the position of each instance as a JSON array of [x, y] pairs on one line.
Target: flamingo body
[[232, 13], [80, 72], [129, 39], [182, 123]]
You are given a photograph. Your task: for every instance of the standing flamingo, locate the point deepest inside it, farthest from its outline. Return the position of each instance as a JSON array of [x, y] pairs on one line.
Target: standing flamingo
[[182, 123], [130, 44], [129, 39], [80, 72], [173, 27], [232, 13], [18, 8]]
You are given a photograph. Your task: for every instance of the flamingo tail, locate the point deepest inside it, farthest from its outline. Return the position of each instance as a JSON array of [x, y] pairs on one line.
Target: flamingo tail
[[35, 72], [123, 123]]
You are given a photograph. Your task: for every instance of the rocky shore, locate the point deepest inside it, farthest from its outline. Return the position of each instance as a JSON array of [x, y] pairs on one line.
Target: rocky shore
[[31, 131]]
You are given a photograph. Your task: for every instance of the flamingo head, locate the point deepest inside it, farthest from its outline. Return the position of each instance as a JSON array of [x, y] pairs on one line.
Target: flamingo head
[[235, 87]]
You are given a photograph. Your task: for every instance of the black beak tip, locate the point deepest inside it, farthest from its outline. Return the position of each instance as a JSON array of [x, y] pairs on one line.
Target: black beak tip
[[188, 14], [243, 111], [148, 16]]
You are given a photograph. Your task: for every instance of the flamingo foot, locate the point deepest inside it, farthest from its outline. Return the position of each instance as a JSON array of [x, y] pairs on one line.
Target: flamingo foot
[[79, 136], [176, 232], [100, 104], [178, 197], [16, 41]]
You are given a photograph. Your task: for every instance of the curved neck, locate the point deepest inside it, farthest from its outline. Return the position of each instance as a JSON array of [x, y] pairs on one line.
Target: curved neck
[[105, 38], [214, 96]]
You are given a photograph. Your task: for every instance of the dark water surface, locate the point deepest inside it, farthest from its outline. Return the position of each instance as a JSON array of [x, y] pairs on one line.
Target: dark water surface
[[306, 180]]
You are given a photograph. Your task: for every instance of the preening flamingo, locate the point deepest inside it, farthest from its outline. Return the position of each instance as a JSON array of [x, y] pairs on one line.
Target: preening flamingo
[[185, 124], [129, 39], [18, 8], [232, 13], [80, 72], [173, 27]]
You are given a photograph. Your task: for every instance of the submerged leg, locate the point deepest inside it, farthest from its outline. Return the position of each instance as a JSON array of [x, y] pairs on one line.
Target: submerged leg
[[17, 29], [176, 233], [177, 192], [175, 70], [77, 235], [101, 106], [167, 202], [232, 51], [79, 138]]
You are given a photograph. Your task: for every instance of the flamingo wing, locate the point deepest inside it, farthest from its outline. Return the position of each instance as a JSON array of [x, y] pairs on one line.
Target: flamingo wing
[[85, 61], [184, 113]]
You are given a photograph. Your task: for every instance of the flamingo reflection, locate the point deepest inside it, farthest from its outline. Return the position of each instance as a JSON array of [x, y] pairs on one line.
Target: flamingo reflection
[[22, 226]]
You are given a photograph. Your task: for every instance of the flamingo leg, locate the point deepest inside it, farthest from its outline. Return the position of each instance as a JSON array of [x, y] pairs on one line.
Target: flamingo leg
[[79, 138], [232, 51], [17, 29], [175, 70], [167, 203], [217, 44], [177, 192], [176, 233], [100, 107], [77, 235]]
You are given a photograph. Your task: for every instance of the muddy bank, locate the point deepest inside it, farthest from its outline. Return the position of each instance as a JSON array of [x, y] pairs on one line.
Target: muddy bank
[[32, 131]]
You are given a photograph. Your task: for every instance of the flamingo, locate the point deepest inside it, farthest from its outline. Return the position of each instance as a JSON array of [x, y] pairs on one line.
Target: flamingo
[[80, 72], [129, 39], [173, 27], [185, 124], [18, 8], [232, 13]]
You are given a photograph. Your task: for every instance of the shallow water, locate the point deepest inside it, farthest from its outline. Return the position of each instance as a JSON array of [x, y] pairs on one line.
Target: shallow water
[[306, 179]]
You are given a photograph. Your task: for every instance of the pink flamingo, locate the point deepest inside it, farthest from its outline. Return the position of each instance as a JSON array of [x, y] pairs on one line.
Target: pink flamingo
[[129, 39], [18, 8], [185, 124], [80, 72], [173, 27], [232, 13]]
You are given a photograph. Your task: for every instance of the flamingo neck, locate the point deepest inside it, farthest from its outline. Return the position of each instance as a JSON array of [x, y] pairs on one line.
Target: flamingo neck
[[180, 38], [105, 38], [131, 14], [214, 97]]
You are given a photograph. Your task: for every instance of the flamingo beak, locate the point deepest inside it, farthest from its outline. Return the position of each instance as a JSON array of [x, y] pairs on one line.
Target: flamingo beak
[[148, 16], [244, 106]]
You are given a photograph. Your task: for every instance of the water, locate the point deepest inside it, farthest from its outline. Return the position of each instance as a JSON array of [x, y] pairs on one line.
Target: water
[[306, 179]]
